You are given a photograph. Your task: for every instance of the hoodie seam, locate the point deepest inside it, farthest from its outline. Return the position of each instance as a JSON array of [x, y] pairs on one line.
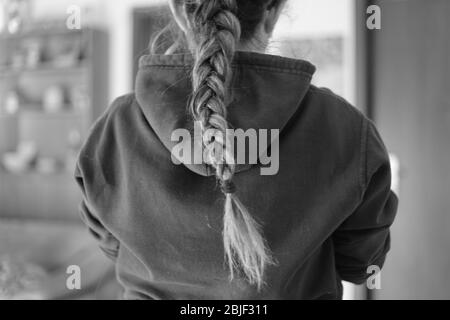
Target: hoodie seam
[[363, 156], [241, 58]]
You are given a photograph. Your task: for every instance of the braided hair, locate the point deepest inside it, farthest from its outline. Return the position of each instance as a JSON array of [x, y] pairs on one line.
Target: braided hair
[[216, 27]]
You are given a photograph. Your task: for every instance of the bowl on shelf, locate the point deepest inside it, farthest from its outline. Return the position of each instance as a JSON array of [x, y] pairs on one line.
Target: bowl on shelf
[[22, 159]]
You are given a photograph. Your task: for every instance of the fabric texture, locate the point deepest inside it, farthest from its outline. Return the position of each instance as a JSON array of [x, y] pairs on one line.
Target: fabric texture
[[326, 213]]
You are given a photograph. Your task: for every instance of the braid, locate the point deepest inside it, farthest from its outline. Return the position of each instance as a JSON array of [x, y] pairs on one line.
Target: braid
[[216, 32]]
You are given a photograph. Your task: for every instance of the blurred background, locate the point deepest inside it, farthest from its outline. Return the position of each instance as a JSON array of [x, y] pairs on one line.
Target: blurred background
[[63, 61]]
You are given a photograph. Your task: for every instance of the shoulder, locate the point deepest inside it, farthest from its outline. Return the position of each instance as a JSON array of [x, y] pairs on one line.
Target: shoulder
[[118, 110], [107, 125], [337, 119], [106, 133], [335, 106], [349, 129]]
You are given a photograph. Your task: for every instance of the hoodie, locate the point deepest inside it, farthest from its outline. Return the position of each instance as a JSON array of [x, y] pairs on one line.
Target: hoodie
[[325, 214]]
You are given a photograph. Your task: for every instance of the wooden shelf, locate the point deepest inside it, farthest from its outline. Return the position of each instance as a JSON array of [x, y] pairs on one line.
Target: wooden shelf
[[41, 32], [32, 194], [42, 70], [36, 174], [67, 111]]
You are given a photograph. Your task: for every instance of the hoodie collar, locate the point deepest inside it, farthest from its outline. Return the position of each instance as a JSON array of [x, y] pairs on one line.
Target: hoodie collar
[[267, 90], [241, 58]]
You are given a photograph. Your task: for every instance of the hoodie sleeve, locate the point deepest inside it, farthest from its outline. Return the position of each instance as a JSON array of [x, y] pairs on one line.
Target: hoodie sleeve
[[87, 177], [363, 239], [107, 242]]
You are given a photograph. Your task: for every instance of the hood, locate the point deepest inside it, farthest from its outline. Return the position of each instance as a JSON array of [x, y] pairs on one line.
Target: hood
[[267, 91]]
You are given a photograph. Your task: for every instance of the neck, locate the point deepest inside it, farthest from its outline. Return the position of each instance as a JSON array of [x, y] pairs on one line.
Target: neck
[[254, 45]]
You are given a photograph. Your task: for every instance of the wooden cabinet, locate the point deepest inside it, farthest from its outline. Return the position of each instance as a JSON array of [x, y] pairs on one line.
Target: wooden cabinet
[[41, 234], [31, 64]]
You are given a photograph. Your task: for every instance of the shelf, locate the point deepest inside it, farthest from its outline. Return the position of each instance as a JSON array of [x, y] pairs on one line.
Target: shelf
[[42, 70], [42, 32], [67, 112], [33, 194], [60, 174]]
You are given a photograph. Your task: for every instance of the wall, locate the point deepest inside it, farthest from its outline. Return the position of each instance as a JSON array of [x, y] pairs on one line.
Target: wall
[[305, 19]]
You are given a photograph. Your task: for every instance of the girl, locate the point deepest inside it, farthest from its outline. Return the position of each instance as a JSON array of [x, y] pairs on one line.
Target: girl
[[219, 229]]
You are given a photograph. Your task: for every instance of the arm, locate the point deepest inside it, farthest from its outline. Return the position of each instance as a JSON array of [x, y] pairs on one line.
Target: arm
[[363, 239], [107, 242]]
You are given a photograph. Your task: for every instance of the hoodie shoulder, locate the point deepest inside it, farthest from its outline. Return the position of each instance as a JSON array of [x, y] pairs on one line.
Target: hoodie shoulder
[[118, 111], [101, 140], [341, 118], [347, 127], [118, 107], [336, 104]]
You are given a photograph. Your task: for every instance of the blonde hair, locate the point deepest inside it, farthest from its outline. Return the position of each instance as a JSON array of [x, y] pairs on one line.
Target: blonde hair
[[216, 31]]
